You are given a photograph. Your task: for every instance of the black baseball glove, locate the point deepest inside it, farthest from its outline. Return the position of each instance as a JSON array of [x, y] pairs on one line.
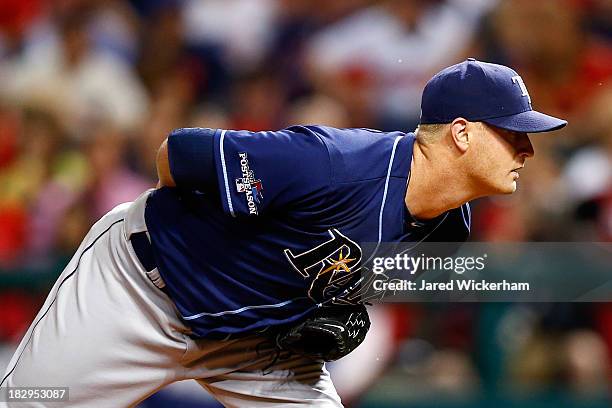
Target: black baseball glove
[[329, 334]]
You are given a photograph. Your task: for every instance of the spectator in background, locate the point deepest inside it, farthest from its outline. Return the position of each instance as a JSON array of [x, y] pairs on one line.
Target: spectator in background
[[114, 29], [63, 182], [588, 171], [24, 181], [243, 29], [62, 70], [379, 58]]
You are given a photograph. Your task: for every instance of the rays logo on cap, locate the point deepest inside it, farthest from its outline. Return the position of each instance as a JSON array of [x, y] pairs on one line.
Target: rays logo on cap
[[249, 185], [518, 80]]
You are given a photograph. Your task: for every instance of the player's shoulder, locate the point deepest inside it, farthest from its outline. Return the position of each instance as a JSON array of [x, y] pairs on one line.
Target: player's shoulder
[[358, 153], [350, 137]]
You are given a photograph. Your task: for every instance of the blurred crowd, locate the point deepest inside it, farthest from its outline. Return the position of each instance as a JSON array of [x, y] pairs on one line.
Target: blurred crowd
[[90, 88]]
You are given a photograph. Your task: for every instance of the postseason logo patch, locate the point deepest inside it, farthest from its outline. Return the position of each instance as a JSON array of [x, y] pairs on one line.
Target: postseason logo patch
[[249, 185]]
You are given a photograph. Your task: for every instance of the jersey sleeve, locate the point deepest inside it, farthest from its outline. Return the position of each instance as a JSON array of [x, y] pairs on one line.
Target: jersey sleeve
[[263, 171], [252, 172]]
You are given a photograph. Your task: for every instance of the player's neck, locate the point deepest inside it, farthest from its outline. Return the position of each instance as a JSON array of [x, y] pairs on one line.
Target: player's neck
[[435, 185]]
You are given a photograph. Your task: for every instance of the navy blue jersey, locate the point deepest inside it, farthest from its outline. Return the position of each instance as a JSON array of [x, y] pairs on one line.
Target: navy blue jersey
[[280, 234]]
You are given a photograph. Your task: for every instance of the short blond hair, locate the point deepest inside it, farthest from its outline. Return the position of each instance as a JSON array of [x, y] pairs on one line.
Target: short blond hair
[[430, 133]]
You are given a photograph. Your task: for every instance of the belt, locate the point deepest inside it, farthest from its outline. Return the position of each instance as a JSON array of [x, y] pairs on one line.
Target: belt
[[144, 252]]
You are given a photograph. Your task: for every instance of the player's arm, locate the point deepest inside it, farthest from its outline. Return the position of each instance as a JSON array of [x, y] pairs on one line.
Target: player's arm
[[164, 174]]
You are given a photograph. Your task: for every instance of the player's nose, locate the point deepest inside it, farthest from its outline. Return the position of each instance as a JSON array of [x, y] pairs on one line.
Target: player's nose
[[524, 146]]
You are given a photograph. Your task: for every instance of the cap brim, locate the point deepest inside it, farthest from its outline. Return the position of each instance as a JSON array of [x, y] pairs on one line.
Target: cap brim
[[528, 122]]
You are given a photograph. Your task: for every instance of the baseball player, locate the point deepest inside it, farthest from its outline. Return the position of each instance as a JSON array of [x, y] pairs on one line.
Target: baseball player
[[242, 269]]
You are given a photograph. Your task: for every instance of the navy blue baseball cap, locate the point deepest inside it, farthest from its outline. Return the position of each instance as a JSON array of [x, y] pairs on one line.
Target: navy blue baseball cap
[[483, 92]]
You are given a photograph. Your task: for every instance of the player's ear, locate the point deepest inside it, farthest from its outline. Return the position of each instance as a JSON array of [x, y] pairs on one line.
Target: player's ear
[[460, 135]]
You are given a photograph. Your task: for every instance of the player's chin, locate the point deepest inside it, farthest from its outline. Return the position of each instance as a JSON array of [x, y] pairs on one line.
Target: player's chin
[[507, 187]]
